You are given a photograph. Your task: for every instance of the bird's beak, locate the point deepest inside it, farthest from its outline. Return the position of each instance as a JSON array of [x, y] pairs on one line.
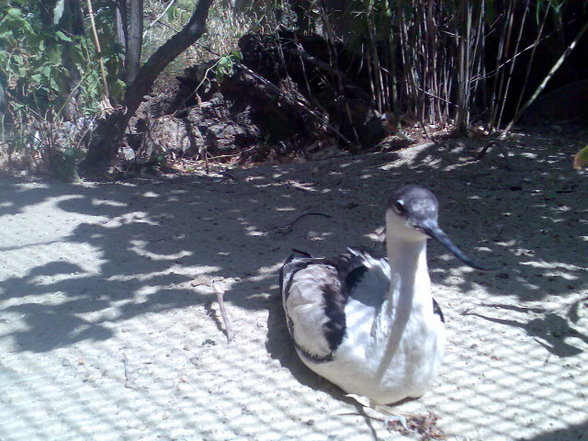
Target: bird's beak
[[431, 229]]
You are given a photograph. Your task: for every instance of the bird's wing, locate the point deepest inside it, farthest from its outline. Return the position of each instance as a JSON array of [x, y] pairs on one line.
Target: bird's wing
[[368, 279], [315, 292]]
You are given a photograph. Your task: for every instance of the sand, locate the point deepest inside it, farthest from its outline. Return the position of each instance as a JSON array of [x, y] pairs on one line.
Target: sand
[[110, 329]]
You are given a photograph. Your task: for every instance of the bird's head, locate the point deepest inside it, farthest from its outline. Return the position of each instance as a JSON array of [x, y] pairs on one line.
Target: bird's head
[[412, 216]]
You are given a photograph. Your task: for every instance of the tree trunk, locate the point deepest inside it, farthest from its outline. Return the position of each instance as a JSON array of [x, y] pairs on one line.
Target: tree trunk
[[134, 41], [47, 13], [121, 28], [72, 24], [109, 133]]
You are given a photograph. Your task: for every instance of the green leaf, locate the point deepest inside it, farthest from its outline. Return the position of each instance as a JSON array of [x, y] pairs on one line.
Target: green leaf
[[45, 70], [14, 20], [16, 105], [61, 36], [36, 78], [172, 12], [53, 55], [581, 158], [6, 37], [118, 89], [13, 14]]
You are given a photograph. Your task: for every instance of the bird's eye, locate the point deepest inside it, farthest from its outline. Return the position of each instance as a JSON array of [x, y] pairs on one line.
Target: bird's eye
[[399, 207]]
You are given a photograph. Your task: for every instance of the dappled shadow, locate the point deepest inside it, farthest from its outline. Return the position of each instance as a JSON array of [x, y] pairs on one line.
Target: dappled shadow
[[22, 196], [157, 233], [528, 219], [91, 258], [286, 354], [551, 330], [574, 432]]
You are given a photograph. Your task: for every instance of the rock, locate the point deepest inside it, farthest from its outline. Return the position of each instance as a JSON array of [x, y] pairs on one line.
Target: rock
[[166, 133], [127, 153], [279, 104]]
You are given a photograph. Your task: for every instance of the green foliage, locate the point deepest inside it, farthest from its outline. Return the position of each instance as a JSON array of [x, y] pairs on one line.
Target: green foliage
[[581, 158], [62, 164], [224, 65], [51, 76], [32, 61], [178, 13]]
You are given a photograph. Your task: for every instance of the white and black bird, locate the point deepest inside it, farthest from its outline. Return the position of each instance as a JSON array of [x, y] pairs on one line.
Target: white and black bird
[[368, 324]]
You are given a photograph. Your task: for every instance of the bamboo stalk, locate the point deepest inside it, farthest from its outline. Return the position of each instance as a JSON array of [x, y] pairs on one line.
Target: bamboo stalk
[[530, 63], [503, 49], [511, 70], [547, 78], [98, 49]]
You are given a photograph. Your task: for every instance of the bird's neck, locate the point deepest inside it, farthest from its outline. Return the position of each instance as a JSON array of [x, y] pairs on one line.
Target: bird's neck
[[409, 274], [409, 291]]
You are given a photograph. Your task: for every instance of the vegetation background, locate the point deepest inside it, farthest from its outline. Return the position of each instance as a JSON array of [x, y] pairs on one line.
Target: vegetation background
[[73, 73]]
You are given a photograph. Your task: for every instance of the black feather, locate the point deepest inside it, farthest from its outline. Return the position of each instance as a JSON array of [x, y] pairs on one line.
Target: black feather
[[437, 310], [354, 277], [350, 270], [335, 311]]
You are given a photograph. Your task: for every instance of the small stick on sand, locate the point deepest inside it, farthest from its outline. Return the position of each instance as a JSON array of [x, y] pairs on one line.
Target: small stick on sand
[[289, 227], [221, 304], [125, 360]]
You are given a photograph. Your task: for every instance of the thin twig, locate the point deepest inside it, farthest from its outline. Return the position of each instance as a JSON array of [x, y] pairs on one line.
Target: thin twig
[[288, 228], [125, 361], [272, 88], [159, 17], [221, 305], [500, 148]]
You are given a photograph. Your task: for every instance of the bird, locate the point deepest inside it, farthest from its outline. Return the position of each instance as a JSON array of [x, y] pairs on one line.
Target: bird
[[369, 324]]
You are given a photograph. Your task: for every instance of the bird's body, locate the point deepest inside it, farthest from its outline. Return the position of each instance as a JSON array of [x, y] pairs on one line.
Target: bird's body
[[367, 324]]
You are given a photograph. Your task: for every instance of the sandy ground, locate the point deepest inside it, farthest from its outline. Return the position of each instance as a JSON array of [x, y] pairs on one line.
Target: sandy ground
[[109, 328]]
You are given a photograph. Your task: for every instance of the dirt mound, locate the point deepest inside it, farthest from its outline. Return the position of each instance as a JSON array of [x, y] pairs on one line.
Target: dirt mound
[[283, 96]]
